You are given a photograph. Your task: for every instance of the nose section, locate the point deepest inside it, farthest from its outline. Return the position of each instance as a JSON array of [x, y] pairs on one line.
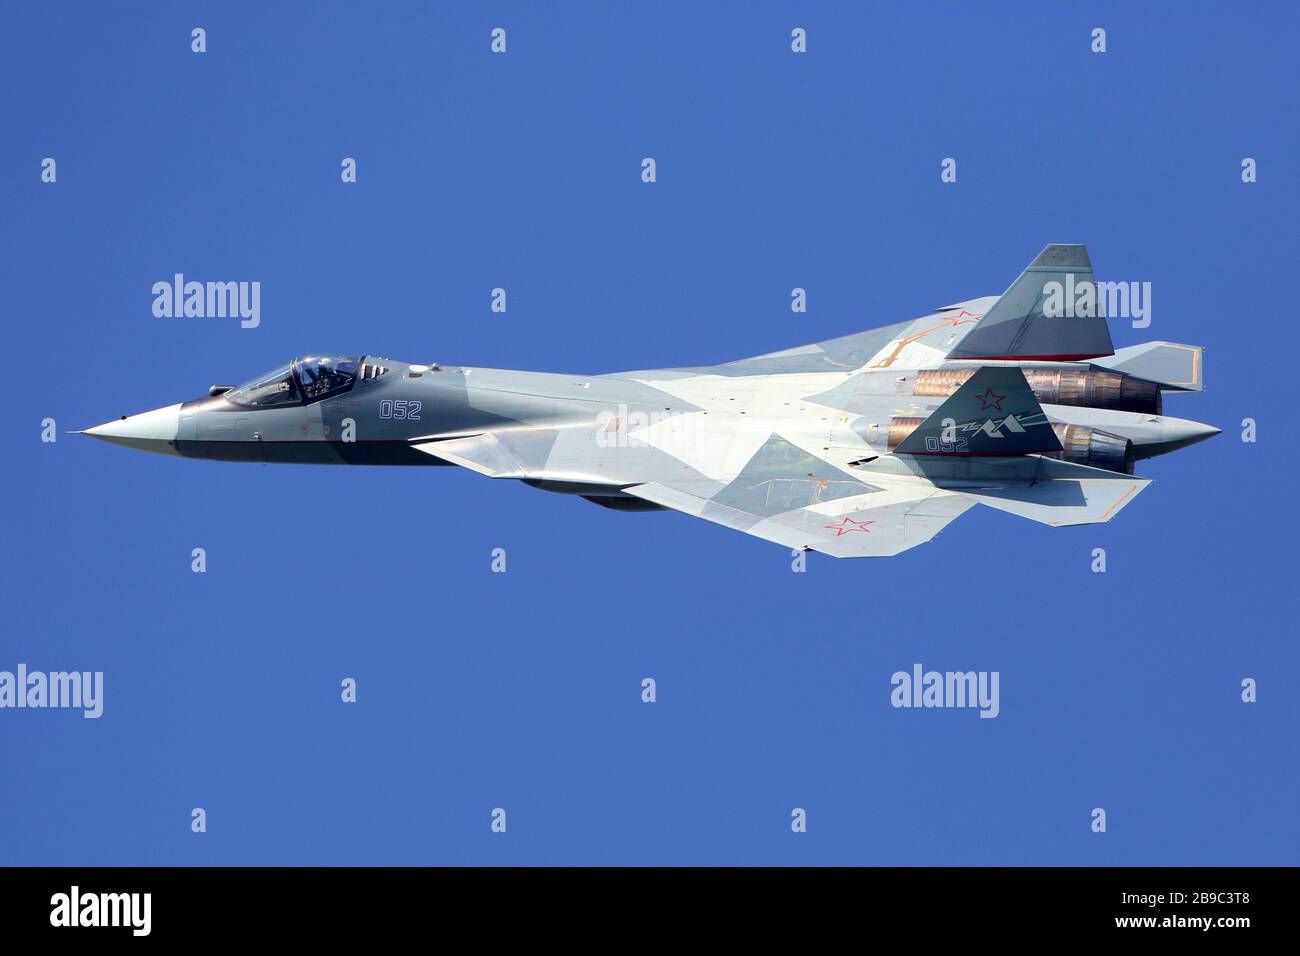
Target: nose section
[[154, 431], [1164, 435]]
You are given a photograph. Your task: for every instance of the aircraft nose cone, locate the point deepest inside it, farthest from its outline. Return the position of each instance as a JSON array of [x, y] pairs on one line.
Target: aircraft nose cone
[[154, 431], [1159, 436], [1179, 433]]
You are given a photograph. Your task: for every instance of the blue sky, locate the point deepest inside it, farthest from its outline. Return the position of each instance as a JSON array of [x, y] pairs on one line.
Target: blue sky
[[522, 690]]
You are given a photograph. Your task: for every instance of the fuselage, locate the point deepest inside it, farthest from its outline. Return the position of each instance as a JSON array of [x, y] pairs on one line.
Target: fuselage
[[372, 411]]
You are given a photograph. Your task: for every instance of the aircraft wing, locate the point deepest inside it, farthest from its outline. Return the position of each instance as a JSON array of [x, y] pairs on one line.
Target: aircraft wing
[[783, 494], [916, 343], [1017, 325], [994, 456], [880, 522]]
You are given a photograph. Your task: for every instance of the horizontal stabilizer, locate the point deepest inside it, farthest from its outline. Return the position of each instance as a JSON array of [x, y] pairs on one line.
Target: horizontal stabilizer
[[1173, 367], [1049, 314], [1081, 495], [994, 412]]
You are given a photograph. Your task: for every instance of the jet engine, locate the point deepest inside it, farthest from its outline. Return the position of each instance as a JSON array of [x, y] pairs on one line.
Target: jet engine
[[1091, 446], [1087, 388], [1079, 444]]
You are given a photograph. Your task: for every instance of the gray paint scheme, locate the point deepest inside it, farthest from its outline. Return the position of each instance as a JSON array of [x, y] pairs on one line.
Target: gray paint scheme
[[825, 447]]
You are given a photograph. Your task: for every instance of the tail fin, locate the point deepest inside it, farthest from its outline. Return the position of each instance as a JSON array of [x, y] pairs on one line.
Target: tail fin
[[1016, 326], [993, 413]]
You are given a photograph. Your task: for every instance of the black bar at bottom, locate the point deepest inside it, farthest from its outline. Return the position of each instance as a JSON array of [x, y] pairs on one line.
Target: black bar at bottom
[[217, 904]]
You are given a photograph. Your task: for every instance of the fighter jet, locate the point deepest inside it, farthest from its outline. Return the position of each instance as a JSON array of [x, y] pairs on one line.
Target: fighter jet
[[860, 446]]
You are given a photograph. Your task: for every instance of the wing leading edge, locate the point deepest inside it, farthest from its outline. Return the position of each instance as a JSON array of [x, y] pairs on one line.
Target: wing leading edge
[[1022, 324]]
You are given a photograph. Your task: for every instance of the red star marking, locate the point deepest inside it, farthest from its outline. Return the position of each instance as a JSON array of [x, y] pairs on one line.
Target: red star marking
[[989, 400], [847, 525]]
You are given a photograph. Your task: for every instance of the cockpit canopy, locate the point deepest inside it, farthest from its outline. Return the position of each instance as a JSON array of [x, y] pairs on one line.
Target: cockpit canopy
[[304, 380]]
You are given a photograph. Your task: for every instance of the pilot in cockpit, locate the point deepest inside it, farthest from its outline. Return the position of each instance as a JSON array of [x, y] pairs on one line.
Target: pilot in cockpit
[[319, 376]]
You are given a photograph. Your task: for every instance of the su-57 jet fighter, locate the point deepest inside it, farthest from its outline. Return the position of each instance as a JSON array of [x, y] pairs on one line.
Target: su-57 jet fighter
[[859, 446]]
